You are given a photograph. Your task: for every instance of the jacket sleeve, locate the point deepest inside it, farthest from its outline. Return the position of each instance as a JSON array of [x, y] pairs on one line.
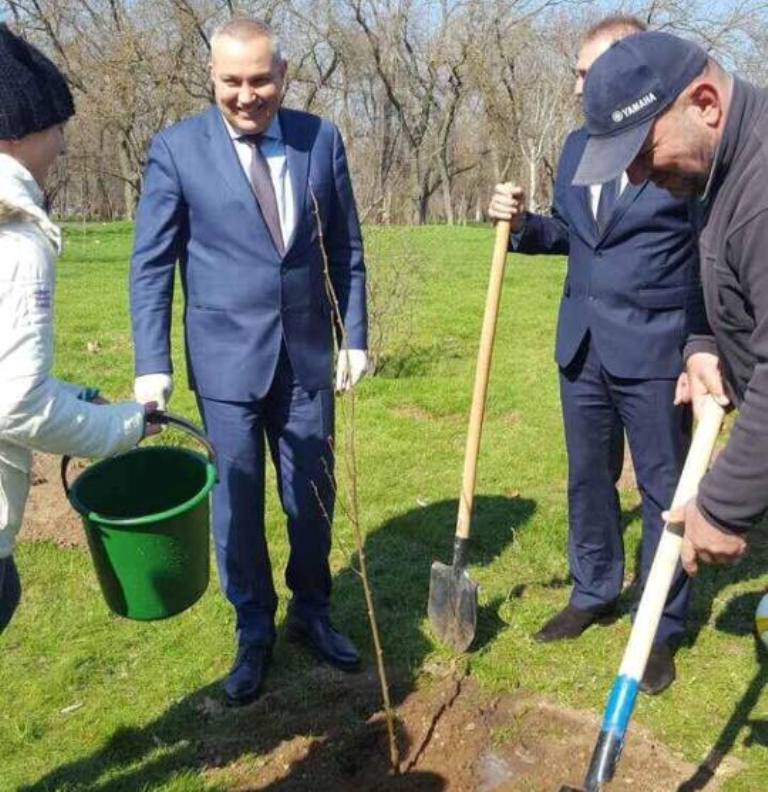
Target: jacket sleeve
[[160, 237], [547, 234], [734, 494], [698, 334], [344, 248], [36, 410]]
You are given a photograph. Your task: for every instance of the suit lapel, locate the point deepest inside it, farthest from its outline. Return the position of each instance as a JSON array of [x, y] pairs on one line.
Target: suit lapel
[[583, 219], [628, 196], [226, 160], [297, 155]]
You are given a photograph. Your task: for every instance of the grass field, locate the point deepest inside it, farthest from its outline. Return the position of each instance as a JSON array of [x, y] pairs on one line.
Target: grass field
[[85, 695]]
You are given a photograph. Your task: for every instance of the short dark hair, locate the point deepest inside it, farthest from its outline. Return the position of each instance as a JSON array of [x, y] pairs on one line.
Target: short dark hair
[[624, 24]]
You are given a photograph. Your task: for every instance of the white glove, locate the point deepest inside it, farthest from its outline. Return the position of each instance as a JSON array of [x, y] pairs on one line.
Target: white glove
[[153, 388], [351, 366]]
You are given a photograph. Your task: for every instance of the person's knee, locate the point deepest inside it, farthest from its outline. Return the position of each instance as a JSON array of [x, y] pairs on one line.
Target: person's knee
[[10, 591]]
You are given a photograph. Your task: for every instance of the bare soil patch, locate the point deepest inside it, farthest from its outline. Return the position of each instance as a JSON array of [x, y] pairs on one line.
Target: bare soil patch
[[453, 737], [48, 515]]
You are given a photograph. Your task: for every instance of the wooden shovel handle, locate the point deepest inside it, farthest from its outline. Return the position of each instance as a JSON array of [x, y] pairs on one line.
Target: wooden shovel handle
[[482, 373]]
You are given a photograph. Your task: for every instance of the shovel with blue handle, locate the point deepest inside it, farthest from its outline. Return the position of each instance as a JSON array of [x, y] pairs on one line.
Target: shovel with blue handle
[[621, 702]]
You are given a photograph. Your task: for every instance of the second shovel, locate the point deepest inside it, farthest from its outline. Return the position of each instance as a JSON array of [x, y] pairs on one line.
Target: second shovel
[[452, 607]]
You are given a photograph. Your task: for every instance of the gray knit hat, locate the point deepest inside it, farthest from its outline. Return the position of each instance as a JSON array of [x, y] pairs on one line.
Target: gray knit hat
[[33, 93]]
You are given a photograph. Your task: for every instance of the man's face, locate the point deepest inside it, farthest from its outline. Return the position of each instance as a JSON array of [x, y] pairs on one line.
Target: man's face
[[590, 51], [247, 82], [678, 153]]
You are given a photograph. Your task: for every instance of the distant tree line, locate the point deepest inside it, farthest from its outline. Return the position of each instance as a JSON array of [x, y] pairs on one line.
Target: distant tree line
[[436, 100]]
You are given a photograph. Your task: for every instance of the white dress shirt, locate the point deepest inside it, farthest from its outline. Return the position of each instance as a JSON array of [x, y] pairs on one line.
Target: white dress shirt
[[273, 148], [596, 189]]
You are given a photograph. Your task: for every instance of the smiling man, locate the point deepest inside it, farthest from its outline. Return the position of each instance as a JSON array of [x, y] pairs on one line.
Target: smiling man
[[703, 132], [251, 199]]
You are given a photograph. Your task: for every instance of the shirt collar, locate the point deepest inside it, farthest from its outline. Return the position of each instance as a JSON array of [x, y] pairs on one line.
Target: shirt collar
[[273, 131]]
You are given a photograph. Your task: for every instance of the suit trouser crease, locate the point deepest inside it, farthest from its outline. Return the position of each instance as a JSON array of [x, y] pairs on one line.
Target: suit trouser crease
[[299, 431], [597, 410]]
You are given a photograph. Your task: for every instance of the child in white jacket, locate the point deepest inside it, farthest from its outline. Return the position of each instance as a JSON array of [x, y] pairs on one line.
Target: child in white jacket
[[36, 410]]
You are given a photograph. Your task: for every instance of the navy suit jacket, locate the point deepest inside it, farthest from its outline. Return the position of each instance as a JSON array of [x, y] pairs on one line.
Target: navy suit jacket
[[242, 298], [626, 286]]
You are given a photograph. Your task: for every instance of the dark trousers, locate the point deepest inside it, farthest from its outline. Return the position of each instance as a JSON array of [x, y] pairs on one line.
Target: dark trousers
[[597, 410], [10, 590], [298, 427]]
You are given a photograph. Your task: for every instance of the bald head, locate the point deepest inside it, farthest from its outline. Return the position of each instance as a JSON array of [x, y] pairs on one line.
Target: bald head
[[245, 29]]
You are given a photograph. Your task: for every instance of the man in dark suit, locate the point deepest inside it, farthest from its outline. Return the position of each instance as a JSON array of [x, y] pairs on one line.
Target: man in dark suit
[[620, 331], [256, 205]]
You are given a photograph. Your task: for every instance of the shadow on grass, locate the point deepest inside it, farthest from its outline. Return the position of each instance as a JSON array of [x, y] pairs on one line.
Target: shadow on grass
[[349, 748], [736, 619], [711, 580]]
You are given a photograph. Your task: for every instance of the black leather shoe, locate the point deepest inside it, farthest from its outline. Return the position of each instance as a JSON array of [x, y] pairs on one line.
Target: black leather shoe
[[243, 685], [571, 622], [660, 671], [326, 643]]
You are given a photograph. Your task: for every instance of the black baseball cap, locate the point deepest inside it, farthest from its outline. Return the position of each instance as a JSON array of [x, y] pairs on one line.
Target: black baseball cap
[[627, 87]]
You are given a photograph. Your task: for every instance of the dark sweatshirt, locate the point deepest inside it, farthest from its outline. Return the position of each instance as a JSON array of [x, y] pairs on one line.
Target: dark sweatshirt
[[733, 251]]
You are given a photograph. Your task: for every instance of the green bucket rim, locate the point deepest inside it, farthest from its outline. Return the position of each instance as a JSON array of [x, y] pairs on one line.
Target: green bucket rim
[[130, 522]]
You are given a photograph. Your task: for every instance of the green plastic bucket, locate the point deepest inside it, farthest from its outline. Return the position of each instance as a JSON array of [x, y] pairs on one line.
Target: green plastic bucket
[[146, 516]]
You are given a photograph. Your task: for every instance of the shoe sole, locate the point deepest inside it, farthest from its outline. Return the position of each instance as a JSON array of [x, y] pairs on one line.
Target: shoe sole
[[295, 635]]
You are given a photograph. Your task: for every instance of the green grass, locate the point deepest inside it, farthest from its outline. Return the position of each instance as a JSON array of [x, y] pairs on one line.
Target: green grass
[[94, 702]]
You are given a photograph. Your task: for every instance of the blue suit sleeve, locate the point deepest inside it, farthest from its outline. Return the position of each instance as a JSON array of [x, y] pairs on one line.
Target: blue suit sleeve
[[344, 246], [546, 234], [160, 239]]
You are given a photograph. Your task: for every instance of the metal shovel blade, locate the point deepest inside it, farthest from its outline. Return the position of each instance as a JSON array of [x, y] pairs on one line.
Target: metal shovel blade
[[452, 607]]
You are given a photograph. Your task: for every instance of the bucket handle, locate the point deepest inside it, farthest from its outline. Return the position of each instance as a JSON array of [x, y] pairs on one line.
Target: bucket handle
[[161, 418]]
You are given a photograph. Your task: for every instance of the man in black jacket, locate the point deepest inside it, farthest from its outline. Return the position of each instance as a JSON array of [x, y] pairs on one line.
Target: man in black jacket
[[706, 138]]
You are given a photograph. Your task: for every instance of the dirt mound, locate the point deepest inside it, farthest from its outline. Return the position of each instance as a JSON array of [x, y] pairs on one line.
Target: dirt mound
[[48, 516], [453, 737]]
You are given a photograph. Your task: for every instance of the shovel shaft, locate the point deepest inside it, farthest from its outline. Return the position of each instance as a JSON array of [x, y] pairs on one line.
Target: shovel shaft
[[482, 372], [668, 552], [621, 703]]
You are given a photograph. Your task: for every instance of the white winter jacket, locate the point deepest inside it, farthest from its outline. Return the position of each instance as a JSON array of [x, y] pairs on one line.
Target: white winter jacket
[[36, 410]]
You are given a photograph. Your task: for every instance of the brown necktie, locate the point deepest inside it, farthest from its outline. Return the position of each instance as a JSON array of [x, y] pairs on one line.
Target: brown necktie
[[261, 181]]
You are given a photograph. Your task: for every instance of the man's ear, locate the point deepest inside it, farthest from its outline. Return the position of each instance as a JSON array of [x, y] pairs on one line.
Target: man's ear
[[211, 86], [706, 98]]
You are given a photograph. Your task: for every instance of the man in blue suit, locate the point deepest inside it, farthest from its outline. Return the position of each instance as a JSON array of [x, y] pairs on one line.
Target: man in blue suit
[[256, 205], [619, 342]]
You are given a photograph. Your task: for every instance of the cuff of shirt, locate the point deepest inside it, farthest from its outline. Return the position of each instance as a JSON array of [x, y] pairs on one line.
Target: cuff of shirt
[[705, 508], [699, 343], [517, 237]]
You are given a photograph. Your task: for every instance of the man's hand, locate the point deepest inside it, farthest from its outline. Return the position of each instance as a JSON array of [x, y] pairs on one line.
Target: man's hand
[[156, 388], [702, 377], [352, 365], [508, 203], [703, 541]]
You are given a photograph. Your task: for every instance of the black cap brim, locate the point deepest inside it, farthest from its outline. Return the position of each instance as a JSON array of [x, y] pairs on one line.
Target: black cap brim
[[606, 157]]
